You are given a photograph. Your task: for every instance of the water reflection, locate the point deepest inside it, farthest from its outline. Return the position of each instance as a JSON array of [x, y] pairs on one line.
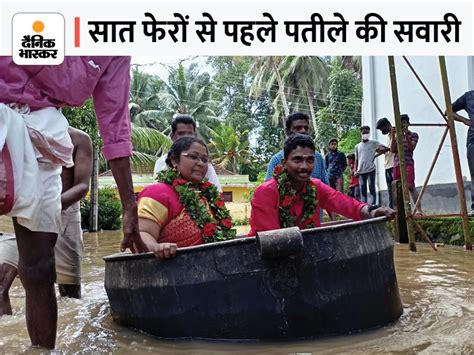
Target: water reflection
[[436, 290]]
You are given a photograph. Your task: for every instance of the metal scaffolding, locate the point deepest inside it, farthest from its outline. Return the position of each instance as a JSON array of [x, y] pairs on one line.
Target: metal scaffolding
[[410, 219]]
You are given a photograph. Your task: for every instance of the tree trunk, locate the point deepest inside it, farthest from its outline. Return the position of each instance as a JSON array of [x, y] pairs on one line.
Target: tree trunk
[[281, 89], [309, 97], [94, 193], [234, 164]]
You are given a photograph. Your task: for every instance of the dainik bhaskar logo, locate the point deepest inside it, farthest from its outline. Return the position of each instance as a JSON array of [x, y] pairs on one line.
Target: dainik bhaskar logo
[[38, 38]]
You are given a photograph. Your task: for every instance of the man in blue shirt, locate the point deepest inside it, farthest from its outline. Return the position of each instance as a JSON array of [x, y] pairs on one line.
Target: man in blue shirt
[[298, 123], [336, 163], [466, 103]]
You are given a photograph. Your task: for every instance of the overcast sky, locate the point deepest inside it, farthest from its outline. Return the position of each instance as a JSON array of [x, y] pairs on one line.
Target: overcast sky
[[156, 65]]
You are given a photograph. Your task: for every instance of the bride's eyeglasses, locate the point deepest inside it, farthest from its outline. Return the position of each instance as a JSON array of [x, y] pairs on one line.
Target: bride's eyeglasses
[[196, 158]]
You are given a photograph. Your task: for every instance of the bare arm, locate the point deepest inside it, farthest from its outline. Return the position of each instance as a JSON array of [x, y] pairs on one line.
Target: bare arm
[[381, 150], [82, 170], [462, 119], [123, 178], [150, 231], [410, 144], [393, 144], [378, 212]]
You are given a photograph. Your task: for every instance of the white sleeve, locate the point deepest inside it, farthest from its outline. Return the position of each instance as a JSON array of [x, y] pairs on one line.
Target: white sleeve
[[160, 164], [212, 177]]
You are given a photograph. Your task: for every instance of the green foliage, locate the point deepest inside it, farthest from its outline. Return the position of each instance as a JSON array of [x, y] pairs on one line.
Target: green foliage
[[343, 112], [84, 118], [110, 210], [148, 145], [241, 222], [250, 95], [232, 83], [229, 149], [349, 141], [325, 121], [345, 98], [143, 103], [258, 182], [446, 230], [188, 91]]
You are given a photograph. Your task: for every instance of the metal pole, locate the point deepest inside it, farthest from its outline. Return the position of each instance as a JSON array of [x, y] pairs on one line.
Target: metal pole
[[424, 235], [424, 87], [438, 151], [401, 153], [454, 147]]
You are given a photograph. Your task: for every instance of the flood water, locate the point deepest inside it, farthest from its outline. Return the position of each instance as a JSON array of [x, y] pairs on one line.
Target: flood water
[[436, 290]]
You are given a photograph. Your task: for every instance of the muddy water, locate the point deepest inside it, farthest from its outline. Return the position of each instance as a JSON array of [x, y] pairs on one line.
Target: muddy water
[[436, 289]]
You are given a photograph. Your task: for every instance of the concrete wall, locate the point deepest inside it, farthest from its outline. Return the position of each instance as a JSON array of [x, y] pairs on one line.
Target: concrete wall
[[238, 210], [377, 103], [238, 193], [438, 198]]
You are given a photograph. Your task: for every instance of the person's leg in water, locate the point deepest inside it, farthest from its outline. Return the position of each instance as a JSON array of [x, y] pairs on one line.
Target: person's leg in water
[[71, 291], [7, 276], [37, 274]]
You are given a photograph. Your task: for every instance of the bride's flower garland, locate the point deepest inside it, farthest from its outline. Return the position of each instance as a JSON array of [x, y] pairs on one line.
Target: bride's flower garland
[[287, 194], [216, 226]]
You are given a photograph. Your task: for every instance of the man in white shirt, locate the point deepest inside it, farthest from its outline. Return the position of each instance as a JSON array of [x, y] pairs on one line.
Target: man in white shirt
[[182, 126], [384, 126]]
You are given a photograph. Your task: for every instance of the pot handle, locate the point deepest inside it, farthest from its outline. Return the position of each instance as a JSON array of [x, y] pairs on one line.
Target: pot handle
[[279, 243]]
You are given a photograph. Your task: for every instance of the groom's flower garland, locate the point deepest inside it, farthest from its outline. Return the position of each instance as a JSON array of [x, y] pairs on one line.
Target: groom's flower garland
[[216, 226], [287, 194]]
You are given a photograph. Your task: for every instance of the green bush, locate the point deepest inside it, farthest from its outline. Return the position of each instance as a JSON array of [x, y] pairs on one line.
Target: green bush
[[110, 210], [447, 230], [241, 222]]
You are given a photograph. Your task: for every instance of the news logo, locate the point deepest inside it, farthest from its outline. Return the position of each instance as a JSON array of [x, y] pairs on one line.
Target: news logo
[[38, 38]]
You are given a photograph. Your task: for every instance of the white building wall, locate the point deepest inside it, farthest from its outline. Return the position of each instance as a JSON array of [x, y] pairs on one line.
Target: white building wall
[[377, 103]]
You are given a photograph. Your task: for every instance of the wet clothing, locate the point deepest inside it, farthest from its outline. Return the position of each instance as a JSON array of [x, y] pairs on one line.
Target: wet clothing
[[266, 203], [68, 250], [39, 145]]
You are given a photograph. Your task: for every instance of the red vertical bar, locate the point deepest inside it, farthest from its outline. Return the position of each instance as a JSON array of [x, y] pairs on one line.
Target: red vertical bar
[[77, 32]]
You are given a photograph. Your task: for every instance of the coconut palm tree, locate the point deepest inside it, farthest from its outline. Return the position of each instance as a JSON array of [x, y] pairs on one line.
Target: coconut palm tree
[[148, 144], [229, 149], [143, 90], [187, 91], [304, 77], [266, 71]]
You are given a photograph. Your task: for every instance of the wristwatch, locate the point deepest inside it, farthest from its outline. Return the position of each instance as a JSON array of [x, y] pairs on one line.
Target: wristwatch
[[373, 207]]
